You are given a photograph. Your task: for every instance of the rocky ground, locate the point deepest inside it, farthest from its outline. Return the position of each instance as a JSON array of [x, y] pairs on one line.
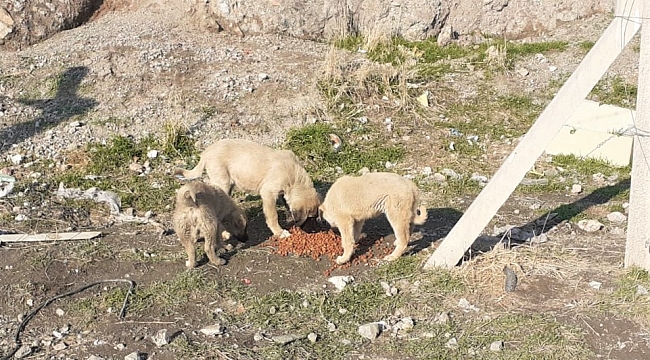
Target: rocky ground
[[141, 70]]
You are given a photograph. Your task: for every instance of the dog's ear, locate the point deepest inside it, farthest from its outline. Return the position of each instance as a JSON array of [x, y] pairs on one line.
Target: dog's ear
[[190, 195]]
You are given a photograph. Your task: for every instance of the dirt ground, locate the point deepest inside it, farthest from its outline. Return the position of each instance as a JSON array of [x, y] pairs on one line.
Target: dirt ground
[[153, 68]]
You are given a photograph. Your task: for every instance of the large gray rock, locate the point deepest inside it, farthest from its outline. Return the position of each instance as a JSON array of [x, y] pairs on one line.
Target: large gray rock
[[327, 19]]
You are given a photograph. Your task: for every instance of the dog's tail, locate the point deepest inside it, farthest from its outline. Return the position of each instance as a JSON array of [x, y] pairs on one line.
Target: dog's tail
[[420, 215], [194, 173]]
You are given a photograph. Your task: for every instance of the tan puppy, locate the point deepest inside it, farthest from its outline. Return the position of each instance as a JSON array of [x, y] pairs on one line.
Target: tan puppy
[[354, 199], [262, 170], [203, 211]]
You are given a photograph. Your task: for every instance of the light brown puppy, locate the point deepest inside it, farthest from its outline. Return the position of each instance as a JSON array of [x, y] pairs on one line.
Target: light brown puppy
[[203, 211], [354, 199], [259, 169]]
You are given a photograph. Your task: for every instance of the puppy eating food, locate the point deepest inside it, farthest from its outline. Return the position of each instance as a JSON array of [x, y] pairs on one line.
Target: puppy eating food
[[354, 199], [256, 168], [204, 211]]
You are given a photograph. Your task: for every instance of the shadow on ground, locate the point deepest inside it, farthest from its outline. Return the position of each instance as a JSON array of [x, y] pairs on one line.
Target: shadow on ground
[[65, 105]]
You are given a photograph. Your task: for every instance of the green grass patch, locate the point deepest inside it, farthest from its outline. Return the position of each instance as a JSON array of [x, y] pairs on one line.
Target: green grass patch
[[627, 286], [586, 45], [615, 91], [525, 337], [403, 267], [589, 166], [311, 143], [442, 282]]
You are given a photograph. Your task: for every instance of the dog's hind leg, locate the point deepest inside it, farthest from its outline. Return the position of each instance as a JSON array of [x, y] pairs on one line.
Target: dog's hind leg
[[401, 227], [189, 245], [212, 239], [346, 227], [271, 213], [358, 226]]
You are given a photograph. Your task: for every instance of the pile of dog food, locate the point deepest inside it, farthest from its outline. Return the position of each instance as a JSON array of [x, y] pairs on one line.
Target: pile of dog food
[[327, 244]]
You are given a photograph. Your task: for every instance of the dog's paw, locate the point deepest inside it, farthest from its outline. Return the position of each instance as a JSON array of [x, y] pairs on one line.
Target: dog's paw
[[284, 234], [390, 257], [342, 259], [219, 262]]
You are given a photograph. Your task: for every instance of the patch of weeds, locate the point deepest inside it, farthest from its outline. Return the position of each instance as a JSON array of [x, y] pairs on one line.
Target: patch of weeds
[[626, 288], [586, 45], [616, 208], [87, 250], [615, 91], [83, 310], [589, 166], [312, 144], [351, 43], [442, 282], [339, 99], [573, 212], [526, 337], [165, 296], [39, 259], [404, 266], [281, 310]]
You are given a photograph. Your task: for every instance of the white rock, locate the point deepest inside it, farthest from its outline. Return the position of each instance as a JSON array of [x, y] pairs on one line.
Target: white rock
[[135, 356], [60, 346], [258, 337], [552, 68], [57, 334], [23, 351], [370, 331], [451, 174], [93, 357], [120, 346], [522, 71], [616, 217], [312, 337], [426, 171], [364, 170], [496, 345], [439, 177], [60, 312], [30, 302], [262, 77], [466, 306], [404, 324], [441, 318], [161, 338], [576, 189], [590, 225], [331, 327], [152, 154], [285, 339], [595, 284], [16, 159], [451, 343], [212, 330], [341, 281], [641, 290]]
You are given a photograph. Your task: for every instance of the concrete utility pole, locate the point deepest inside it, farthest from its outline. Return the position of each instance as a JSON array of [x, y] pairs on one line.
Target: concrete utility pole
[[637, 249], [531, 147]]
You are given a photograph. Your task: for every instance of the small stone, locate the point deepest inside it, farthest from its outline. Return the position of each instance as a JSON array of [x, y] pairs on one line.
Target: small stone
[[129, 211], [427, 171], [23, 351], [148, 214], [496, 345], [595, 284], [551, 172], [21, 217], [576, 189], [370, 331], [312, 337], [590, 225], [331, 327], [364, 170], [137, 168], [533, 182], [451, 343], [120, 347], [30, 302], [424, 99], [272, 310], [641, 290], [465, 305], [285, 339], [438, 177], [60, 312], [262, 76], [60, 346], [441, 318], [94, 357], [522, 71], [341, 281], [451, 174], [258, 337], [161, 338], [57, 334], [16, 159], [152, 154], [212, 330], [136, 355], [616, 217], [552, 68], [404, 324]]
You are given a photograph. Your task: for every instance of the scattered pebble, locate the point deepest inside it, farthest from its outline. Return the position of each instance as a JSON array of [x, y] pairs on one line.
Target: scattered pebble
[[590, 225], [212, 330], [24, 351], [616, 217], [595, 284], [441, 318], [576, 189], [466, 306], [60, 346], [496, 345], [161, 338], [370, 331], [341, 281], [136, 355], [312, 337], [60, 312], [641, 290], [285, 339], [451, 343]]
